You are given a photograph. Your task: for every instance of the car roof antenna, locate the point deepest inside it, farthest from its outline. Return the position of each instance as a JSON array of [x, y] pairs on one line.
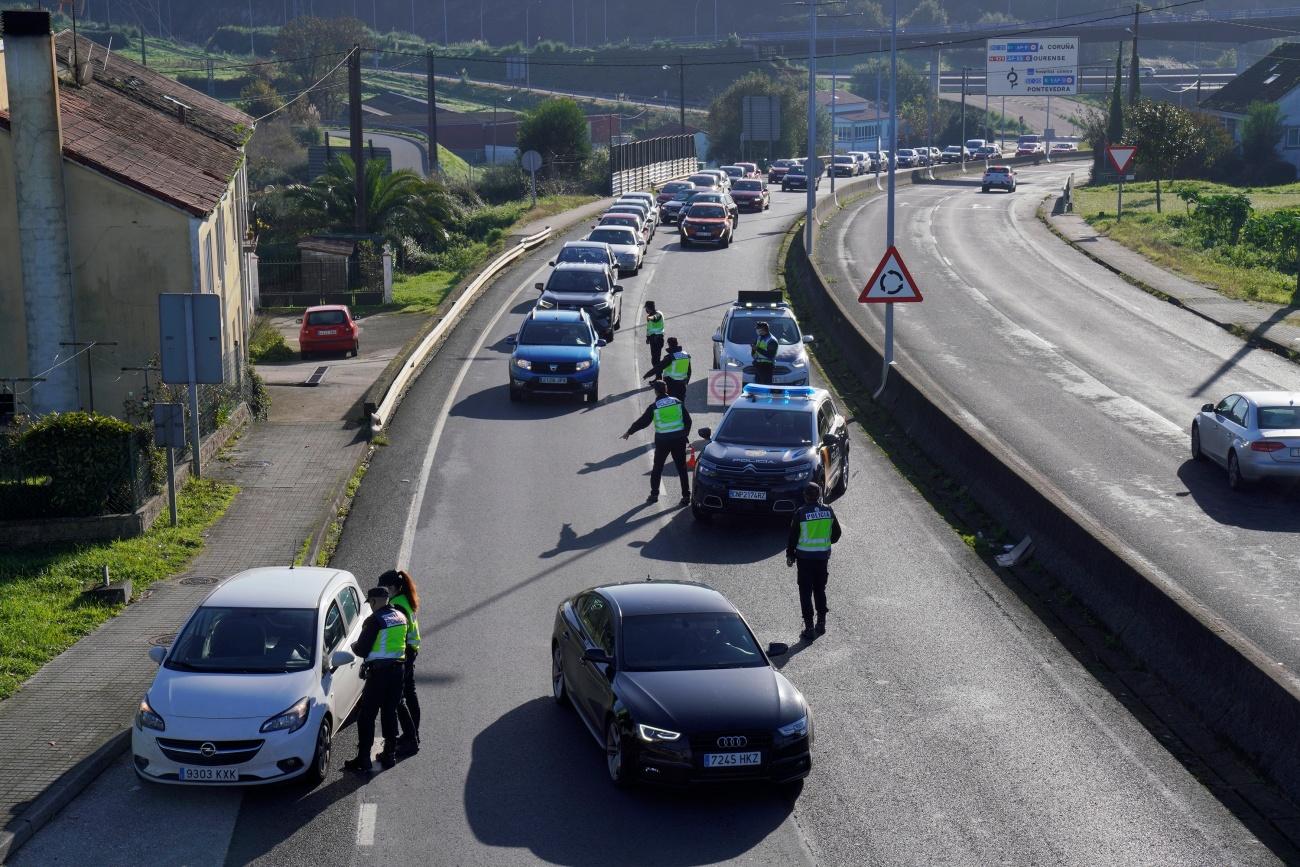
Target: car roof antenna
[[647, 576]]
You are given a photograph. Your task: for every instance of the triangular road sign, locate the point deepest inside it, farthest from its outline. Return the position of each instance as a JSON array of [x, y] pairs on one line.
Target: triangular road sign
[[1121, 156], [891, 282]]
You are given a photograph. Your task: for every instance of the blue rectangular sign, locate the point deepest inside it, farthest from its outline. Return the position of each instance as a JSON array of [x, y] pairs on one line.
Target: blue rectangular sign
[[1026, 47]]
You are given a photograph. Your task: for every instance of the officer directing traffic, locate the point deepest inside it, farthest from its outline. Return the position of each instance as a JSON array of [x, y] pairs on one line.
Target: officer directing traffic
[[672, 425], [813, 529], [675, 369], [382, 644], [763, 351], [654, 332]]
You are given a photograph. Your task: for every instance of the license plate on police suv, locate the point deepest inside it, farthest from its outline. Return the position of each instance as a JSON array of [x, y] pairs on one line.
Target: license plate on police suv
[[553, 380], [732, 760], [1295, 453], [209, 775], [747, 495]]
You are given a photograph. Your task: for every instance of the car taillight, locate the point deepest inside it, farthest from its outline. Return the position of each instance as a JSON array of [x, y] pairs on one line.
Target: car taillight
[[1267, 446]]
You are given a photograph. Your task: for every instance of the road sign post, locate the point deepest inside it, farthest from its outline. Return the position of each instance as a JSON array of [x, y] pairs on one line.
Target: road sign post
[[1032, 66], [724, 385], [1121, 157], [532, 161], [169, 433], [189, 332]]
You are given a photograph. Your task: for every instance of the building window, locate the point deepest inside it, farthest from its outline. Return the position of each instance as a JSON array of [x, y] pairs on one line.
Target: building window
[[221, 244], [1292, 137], [208, 265]]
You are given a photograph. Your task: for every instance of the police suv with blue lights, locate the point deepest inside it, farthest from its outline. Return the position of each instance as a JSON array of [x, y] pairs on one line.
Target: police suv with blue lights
[[733, 340], [769, 445]]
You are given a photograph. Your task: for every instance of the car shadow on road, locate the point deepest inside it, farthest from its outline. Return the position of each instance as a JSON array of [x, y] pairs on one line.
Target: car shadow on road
[[517, 795], [1269, 506], [494, 404], [620, 526], [726, 540], [615, 398]]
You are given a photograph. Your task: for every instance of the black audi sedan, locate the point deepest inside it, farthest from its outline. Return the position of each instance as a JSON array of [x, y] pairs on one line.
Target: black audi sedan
[[670, 680]]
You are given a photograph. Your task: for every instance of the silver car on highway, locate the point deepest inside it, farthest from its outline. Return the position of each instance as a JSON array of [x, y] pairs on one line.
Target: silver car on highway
[[1253, 434]]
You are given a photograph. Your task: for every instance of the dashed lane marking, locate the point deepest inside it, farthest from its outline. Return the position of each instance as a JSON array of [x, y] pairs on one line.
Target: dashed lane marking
[[366, 816]]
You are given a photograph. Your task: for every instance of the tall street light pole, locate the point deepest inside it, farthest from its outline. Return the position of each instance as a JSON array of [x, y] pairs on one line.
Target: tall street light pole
[[809, 173], [888, 359]]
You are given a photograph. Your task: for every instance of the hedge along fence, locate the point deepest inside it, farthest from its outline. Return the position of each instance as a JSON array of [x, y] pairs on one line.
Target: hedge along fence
[[77, 464]]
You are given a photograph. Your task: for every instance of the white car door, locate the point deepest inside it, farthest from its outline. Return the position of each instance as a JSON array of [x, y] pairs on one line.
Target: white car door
[[339, 634], [1216, 437]]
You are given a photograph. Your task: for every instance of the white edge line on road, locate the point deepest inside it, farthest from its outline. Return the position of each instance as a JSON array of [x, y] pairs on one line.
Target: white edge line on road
[[426, 468], [366, 816]]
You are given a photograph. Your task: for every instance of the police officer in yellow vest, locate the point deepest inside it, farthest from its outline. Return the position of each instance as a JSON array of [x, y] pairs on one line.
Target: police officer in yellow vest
[[675, 368], [654, 332], [813, 529], [763, 351], [405, 597], [382, 644], [672, 429]]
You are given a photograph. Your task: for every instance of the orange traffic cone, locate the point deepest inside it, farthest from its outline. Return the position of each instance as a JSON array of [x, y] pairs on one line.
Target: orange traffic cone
[[690, 456]]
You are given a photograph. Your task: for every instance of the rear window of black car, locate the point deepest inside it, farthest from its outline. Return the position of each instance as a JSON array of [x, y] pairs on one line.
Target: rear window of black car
[[707, 212], [578, 281], [679, 642]]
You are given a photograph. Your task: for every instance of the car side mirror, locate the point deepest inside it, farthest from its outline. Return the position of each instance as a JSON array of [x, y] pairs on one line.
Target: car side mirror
[[618, 289], [717, 337], [540, 287], [511, 339], [600, 341], [597, 656], [551, 263], [340, 658], [158, 654], [706, 432], [808, 338], [1209, 407], [778, 648]]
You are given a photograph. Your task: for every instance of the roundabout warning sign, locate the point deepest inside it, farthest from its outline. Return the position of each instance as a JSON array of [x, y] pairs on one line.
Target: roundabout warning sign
[[891, 282]]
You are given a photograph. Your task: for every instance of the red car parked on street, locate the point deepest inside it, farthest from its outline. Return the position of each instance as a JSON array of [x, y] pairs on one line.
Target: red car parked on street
[[328, 328]]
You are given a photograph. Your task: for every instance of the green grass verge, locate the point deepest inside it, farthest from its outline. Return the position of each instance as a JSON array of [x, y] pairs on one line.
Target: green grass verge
[[335, 530], [421, 293], [1156, 237], [266, 343], [42, 610]]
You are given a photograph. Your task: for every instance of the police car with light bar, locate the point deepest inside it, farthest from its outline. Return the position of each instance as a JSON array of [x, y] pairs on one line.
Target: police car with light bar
[[769, 445], [733, 340]]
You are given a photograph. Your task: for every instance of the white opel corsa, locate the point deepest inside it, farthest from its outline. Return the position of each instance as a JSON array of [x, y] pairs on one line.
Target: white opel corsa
[[256, 684]]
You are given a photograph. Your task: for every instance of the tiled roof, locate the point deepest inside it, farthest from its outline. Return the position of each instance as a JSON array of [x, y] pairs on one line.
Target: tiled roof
[[126, 123], [843, 99], [864, 115], [1268, 80]]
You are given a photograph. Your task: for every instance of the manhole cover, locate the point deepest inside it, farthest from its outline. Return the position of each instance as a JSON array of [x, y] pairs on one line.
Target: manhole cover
[[199, 579], [164, 640]]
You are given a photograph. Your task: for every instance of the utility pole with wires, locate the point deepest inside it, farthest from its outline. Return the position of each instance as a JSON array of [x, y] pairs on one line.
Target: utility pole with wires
[[357, 145], [811, 171], [961, 157], [435, 165]]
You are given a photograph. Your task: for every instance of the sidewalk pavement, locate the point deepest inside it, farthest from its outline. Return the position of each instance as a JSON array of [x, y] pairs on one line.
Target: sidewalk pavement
[[72, 718], [1254, 322]]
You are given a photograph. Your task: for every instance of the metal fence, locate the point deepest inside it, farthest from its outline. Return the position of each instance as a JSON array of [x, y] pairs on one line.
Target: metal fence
[[120, 478], [315, 281], [638, 164]]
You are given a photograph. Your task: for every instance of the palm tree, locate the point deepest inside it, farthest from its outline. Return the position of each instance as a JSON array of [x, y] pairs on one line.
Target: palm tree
[[398, 203]]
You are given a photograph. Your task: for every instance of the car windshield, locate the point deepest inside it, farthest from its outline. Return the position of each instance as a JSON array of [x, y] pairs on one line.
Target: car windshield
[[707, 212], [676, 186], [751, 186], [761, 426], [906, 153], [1279, 417], [703, 180], [238, 640], [326, 317], [583, 254], [952, 149], [998, 170], [845, 160], [629, 220], [680, 642], [625, 237], [630, 210], [744, 329], [733, 171], [535, 333], [578, 281], [684, 195]]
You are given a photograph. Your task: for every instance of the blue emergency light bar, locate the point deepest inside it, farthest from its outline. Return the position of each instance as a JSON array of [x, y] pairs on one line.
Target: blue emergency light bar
[[782, 392]]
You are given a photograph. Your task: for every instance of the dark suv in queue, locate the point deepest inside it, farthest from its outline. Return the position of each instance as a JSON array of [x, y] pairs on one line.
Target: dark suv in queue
[[769, 445], [584, 286], [555, 352]]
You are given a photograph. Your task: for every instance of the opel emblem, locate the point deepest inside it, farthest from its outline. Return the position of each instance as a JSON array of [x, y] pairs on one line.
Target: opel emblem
[[208, 750], [732, 741]]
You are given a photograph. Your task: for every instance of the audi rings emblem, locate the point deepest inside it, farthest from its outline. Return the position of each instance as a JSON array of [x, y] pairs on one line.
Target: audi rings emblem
[[732, 741], [208, 750]]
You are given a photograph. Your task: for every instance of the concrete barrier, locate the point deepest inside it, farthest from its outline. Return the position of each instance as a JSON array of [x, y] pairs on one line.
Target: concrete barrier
[[1240, 694]]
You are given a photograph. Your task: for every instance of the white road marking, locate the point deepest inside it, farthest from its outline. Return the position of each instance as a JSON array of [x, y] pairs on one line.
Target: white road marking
[[366, 815]]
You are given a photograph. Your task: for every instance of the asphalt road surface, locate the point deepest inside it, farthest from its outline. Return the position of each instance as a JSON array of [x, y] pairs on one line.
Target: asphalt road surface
[[951, 727], [406, 153], [1093, 382]]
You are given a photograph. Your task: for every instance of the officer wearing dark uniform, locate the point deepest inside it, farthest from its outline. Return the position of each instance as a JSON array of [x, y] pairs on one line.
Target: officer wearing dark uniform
[[406, 599], [382, 644], [813, 529], [672, 425], [675, 368], [654, 332], [763, 351]]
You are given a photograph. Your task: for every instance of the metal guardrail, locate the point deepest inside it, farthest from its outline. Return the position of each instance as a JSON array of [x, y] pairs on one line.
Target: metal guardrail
[[411, 368]]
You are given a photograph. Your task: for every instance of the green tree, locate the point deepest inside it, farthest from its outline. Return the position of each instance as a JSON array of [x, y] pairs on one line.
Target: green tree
[[1134, 87], [1115, 122], [913, 83], [398, 204], [726, 117], [1164, 135], [310, 47], [557, 129], [928, 12], [259, 98], [1261, 131]]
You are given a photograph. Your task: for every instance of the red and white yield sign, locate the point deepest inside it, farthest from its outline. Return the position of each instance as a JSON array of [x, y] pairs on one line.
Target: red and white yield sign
[[891, 283], [1121, 157]]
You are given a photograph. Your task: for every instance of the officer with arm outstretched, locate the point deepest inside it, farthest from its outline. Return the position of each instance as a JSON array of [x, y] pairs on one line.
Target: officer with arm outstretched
[[672, 429]]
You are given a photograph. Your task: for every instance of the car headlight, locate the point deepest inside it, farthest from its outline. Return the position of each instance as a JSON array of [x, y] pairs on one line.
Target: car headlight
[[800, 362], [600, 305], [148, 718], [796, 729], [544, 304], [652, 734], [798, 474], [582, 365], [523, 364], [290, 719], [707, 469]]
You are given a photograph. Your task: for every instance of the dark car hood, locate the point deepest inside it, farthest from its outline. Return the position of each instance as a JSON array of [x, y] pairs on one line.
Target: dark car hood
[[711, 700], [727, 455]]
